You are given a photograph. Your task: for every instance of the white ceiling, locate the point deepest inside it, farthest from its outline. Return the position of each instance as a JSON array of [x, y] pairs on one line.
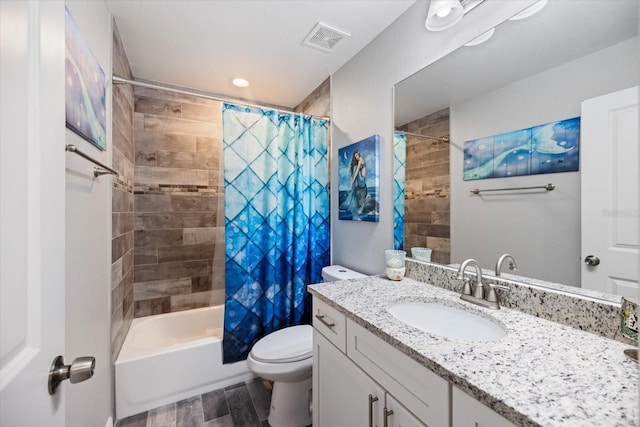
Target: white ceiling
[[204, 44]]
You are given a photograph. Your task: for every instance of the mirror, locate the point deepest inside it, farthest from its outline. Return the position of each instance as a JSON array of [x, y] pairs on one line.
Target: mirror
[[530, 72]]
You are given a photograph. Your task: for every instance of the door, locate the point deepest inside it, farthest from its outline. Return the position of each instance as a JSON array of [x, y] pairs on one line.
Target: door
[[32, 221], [343, 395], [609, 157]]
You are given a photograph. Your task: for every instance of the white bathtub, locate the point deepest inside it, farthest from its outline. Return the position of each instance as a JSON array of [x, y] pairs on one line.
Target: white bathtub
[[170, 357]]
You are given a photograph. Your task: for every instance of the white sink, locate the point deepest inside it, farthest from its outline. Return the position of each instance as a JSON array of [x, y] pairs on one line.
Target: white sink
[[449, 322]]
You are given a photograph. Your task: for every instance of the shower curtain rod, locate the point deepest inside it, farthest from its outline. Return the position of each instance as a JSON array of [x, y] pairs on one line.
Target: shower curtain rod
[[120, 80], [438, 138]]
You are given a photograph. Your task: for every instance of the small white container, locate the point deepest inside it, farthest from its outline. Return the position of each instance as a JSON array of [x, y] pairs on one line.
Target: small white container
[[421, 254], [395, 273]]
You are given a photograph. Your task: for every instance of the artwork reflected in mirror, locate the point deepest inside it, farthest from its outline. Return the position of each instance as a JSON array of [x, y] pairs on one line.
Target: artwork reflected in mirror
[[548, 148]]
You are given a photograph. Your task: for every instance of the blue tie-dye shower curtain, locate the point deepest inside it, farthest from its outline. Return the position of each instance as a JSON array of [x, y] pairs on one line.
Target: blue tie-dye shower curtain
[[399, 167], [276, 206]]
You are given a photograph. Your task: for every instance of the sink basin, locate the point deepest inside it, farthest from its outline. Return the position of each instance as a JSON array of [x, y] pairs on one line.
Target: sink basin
[[449, 322]]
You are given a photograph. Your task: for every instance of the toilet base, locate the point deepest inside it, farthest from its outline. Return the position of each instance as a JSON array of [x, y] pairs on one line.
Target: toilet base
[[291, 404]]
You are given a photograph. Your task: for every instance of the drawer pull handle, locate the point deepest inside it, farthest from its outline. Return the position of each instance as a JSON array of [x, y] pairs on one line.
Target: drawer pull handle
[[371, 400], [387, 413], [324, 322]]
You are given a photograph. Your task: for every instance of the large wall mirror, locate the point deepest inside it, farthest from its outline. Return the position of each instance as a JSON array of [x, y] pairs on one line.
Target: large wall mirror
[[530, 72]]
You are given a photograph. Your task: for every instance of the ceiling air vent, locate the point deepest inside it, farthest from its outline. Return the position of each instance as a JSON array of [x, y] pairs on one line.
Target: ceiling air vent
[[324, 37]]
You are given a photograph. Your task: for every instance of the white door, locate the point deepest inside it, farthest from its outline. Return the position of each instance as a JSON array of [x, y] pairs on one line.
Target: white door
[[609, 163], [32, 221]]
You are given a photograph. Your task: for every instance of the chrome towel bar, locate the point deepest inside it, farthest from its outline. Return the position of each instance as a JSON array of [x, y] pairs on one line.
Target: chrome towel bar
[[101, 170], [548, 187]]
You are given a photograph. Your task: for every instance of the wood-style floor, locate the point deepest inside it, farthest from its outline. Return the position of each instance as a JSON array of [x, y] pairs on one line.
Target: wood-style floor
[[240, 405]]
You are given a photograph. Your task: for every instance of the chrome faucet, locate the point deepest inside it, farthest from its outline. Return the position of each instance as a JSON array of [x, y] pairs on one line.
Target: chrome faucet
[[478, 292], [501, 260], [478, 297]]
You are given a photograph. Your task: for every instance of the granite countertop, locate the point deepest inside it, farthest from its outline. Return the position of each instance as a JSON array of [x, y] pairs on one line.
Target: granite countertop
[[542, 374]]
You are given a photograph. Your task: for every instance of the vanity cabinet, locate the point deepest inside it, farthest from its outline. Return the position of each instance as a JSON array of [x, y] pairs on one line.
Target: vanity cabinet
[[360, 380], [468, 412], [343, 395], [370, 387]]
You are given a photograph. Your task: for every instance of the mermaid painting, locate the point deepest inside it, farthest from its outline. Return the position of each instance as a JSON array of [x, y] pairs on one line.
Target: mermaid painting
[[358, 201]]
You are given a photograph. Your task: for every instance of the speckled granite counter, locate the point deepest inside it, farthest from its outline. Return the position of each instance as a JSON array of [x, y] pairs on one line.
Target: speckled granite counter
[[542, 374]]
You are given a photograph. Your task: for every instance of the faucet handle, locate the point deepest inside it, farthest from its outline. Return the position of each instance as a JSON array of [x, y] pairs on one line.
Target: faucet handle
[[492, 296], [467, 286], [478, 292]]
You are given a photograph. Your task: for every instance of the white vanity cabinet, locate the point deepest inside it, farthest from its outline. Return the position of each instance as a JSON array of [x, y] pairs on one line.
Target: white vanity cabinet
[[468, 412], [369, 383], [343, 395]]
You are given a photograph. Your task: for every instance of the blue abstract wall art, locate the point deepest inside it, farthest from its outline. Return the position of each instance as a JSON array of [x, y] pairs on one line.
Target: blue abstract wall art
[[548, 148], [359, 180], [86, 111]]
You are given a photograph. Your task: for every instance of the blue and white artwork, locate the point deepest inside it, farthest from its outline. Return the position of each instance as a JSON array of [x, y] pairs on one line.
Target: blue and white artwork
[[549, 148], [86, 111], [359, 180]]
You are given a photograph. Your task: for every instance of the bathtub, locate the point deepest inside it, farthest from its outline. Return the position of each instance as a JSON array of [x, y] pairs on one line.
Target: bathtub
[[170, 357]]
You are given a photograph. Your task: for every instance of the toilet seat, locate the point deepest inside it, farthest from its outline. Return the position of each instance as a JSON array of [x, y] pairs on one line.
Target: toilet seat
[[287, 345]]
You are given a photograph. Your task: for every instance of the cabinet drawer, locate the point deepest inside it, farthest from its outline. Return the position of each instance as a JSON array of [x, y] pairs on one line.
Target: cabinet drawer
[[468, 412], [421, 391], [330, 323]]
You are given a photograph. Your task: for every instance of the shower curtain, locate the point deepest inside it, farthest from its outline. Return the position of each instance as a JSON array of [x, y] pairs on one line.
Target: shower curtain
[[276, 221], [399, 167]]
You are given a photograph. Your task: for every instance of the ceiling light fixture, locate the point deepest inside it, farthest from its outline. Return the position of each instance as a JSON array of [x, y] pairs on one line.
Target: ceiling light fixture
[[240, 82], [443, 14], [530, 11], [481, 38]]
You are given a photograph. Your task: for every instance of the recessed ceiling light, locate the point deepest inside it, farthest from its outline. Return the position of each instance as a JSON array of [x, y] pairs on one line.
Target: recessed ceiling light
[[481, 38], [530, 11], [240, 82]]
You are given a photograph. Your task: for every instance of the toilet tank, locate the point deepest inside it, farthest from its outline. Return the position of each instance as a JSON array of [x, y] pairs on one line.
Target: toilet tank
[[332, 273]]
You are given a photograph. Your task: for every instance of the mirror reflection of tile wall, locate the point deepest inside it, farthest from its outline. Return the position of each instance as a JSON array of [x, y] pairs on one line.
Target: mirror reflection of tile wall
[[427, 187]]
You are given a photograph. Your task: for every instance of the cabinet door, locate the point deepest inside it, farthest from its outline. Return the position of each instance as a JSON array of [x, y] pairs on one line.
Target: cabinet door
[[468, 412], [341, 390], [399, 416]]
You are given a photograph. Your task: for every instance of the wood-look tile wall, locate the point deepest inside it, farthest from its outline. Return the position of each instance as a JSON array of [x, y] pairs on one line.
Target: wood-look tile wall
[[427, 187], [122, 201], [178, 202], [318, 102]]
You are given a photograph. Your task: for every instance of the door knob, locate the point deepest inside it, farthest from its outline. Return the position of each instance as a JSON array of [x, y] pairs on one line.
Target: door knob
[[592, 260], [81, 369]]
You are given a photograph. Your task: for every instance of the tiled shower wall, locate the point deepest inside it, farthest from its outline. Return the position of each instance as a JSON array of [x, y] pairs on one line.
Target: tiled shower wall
[[427, 187], [178, 141], [122, 201], [179, 207]]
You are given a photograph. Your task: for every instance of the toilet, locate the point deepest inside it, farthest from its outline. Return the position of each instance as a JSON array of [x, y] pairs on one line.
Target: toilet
[[285, 357]]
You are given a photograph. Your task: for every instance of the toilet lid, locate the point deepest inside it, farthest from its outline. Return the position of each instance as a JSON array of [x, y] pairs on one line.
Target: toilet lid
[[285, 345]]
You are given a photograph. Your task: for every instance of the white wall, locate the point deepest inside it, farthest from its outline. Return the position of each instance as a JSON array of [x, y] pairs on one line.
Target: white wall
[[541, 230], [362, 105], [88, 245]]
